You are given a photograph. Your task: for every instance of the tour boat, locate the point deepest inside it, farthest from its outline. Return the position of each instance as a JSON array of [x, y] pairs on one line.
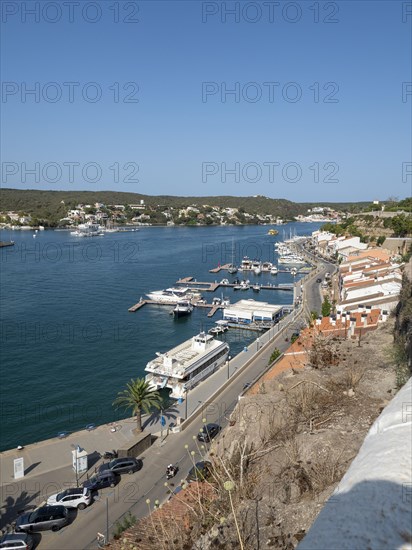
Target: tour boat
[[184, 366]]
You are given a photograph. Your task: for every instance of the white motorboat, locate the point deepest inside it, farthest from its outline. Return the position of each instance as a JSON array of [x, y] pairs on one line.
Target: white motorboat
[[219, 329], [88, 229], [274, 270], [246, 264], [291, 259], [182, 308], [173, 295]]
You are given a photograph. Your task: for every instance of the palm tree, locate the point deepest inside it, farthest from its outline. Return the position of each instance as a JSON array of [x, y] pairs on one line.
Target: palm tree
[[139, 397]]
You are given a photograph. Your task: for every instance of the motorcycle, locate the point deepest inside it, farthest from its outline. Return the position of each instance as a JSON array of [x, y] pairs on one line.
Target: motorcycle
[[171, 472], [109, 455]]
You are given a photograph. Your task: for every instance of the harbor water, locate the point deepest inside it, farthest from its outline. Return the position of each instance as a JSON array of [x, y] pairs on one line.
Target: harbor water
[[69, 343]]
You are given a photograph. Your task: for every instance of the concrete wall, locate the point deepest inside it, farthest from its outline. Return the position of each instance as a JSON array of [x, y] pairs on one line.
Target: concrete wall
[[372, 505], [143, 442]]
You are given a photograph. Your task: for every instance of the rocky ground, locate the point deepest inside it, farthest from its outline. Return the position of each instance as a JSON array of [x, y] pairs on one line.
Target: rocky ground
[[285, 451], [290, 444]]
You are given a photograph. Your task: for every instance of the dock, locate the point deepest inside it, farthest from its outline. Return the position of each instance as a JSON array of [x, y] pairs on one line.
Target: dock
[[213, 307], [204, 286], [302, 270], [219, 268]]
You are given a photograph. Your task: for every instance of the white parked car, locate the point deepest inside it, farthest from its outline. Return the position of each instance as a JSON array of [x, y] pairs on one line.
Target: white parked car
[[79, 497], [16, 541]]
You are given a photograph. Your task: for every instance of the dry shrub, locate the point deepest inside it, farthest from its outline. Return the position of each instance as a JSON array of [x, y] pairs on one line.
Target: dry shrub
[[309, 402], [351, 378], [282, 425], [323, 352], [325, 470], [292, 451]]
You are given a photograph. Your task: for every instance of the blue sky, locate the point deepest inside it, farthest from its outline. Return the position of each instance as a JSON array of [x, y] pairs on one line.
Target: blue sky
[[317, 113]]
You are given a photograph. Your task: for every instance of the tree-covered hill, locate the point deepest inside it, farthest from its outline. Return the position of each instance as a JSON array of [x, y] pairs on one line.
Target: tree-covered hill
[[53, 205]]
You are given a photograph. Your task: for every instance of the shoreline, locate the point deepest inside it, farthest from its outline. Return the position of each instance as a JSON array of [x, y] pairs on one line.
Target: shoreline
[[71, 429]]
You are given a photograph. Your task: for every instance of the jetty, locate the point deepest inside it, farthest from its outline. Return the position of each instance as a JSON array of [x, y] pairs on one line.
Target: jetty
[[213, 307], [212, 286], [219, 268], [301, 270]]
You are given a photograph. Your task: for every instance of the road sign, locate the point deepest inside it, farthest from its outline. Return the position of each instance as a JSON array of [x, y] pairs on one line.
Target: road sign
[[18, 468]]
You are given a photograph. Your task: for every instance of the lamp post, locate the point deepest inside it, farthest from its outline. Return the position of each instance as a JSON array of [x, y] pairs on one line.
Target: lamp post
[[185, 403], [228, 363], [257, 343], [107, 519]]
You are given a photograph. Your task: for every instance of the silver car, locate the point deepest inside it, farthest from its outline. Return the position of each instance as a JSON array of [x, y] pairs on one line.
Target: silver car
[[43, 519]]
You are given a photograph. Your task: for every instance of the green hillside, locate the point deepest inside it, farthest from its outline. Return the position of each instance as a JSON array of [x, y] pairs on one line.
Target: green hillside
[[51, 206]]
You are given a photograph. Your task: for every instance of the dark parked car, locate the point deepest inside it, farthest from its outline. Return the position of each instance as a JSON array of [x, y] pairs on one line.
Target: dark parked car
[[208, 432], [318, 280], [122, 465], [200, 471], [16, 541], [101, 480], [44, 518]]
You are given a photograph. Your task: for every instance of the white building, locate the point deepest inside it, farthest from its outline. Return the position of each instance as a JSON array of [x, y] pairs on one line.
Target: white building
[[247, 312]]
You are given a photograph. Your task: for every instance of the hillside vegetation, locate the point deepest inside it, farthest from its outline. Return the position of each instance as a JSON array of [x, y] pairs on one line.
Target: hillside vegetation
[[53, 205]]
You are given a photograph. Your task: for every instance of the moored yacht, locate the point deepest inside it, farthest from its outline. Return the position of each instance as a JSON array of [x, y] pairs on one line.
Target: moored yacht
[[256, 267], [173, 295], [232, 269], [183, 308], [246, 264], [181, 368], [291, 259], [88, 229]]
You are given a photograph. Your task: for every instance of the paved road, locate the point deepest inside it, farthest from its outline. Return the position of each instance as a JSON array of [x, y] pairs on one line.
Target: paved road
[[133, 490]]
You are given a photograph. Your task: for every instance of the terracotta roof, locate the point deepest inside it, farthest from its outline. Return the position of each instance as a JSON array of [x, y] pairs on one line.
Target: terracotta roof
[[149, 532], [378, 253]]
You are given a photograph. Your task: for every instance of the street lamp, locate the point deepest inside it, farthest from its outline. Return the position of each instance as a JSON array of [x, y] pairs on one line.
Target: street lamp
[[180, 401], [228, 363], [257, 343]]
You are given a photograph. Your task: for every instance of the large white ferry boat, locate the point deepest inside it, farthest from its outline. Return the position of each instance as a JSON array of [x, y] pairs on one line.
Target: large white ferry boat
[[181, 368], [173, 295]]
